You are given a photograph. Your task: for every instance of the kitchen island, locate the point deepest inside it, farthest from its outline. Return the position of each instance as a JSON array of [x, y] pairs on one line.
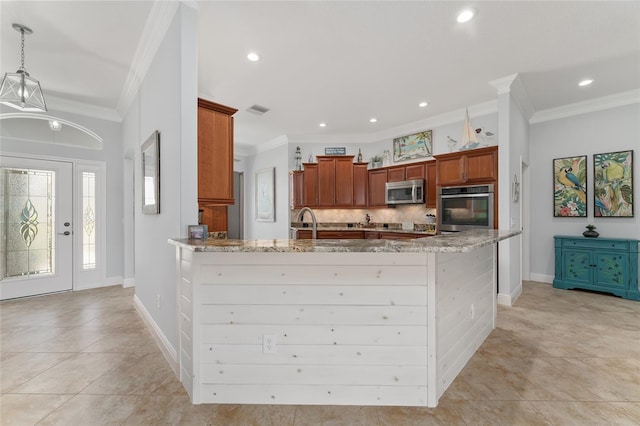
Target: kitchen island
[[333, 322]]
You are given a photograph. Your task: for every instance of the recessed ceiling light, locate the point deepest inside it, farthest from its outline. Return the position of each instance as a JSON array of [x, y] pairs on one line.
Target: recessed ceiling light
[[253, 57], [323, 124], [55, 125], [423, 104], [373, 120], [585, 82], [466, 15]]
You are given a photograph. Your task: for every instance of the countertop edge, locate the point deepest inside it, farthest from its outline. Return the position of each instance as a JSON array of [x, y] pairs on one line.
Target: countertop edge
[[461, 242]]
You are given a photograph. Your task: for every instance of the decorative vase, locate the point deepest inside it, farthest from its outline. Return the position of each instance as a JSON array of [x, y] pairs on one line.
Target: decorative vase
[[590, 233]]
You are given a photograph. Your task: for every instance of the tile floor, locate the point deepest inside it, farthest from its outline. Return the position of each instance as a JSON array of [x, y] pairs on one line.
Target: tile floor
[[556, 358]]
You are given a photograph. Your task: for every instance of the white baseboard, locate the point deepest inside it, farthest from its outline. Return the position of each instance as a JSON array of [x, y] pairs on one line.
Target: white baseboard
[[509, 299], [542, 278], [167, 349], [129, 282], [106, 282]]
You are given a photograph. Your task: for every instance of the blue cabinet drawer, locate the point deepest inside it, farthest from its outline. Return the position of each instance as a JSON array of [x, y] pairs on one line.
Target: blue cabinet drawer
[[597, 244]]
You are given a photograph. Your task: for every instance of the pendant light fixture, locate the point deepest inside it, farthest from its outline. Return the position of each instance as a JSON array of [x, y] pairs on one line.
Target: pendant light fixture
[[19, 90]]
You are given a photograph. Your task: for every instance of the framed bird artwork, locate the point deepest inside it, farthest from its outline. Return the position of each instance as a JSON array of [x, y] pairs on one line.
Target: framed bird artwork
[[570, 187], [613, 184]]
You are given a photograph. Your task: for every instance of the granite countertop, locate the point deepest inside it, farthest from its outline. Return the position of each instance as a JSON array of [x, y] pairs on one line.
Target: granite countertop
[[450, 243]]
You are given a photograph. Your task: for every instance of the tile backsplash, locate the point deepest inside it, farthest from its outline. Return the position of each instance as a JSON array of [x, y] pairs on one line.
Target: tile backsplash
[[415, 213]]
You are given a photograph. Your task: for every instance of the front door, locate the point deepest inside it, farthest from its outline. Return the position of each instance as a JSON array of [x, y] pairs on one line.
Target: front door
[[36, 232]]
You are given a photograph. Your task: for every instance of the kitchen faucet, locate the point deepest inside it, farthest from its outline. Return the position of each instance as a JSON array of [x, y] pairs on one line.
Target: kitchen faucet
[[314, 223]]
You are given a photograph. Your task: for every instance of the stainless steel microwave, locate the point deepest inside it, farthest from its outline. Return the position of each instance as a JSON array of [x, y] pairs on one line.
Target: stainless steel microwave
[[405, 192], [465, 207]]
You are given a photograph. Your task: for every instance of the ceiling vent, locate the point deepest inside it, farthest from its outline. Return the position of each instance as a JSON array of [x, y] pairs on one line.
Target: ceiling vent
[[257, 109]]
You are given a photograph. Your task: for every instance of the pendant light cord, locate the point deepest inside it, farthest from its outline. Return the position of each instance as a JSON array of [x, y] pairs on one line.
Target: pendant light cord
[[22, 50]]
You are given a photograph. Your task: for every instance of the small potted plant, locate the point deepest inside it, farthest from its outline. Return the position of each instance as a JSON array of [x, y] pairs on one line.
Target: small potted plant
[[590, 232], [376, 161]]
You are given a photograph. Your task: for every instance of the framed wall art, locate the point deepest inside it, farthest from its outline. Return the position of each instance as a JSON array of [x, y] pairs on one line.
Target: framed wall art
[[413, 146], [265, 195], [198, 232], [613, 184], [570, 187], [151, 174]]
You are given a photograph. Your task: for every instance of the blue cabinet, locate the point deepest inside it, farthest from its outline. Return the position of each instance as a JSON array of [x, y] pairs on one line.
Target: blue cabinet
[[600, 264]]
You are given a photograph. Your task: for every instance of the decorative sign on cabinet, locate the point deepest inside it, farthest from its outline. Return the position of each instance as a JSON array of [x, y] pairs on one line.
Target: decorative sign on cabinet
[[600, 264]]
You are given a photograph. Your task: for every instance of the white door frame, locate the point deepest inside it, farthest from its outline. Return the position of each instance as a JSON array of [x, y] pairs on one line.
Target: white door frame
[[81, 281]]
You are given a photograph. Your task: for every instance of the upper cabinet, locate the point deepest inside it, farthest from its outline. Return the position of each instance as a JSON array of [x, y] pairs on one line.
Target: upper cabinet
[[215, 153], [432, 192], [360, 184], [466, 167], [335, 180], [377, 182]]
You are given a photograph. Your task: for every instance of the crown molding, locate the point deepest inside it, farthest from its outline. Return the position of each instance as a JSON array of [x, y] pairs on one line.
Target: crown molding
[[155, 29], [592, 105], [89, 110], [513, 84], [456, 116]]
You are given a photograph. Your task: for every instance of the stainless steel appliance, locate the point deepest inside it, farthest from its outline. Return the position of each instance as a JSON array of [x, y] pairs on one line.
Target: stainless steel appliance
[[405, 192], [465, 207]]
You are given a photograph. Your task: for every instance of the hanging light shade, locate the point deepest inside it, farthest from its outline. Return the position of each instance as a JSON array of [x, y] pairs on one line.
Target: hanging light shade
[[19, 90]]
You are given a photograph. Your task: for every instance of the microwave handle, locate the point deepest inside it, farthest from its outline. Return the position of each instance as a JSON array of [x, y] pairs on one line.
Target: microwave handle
[[465, 195], [413, 192]]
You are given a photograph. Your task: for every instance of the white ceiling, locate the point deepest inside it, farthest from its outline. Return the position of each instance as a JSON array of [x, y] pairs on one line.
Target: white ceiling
[[337, 62]]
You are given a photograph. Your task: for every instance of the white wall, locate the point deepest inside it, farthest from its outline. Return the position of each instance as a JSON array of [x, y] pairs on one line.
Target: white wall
[[111, 154], [615, 129], [277, 158], [166, 101]]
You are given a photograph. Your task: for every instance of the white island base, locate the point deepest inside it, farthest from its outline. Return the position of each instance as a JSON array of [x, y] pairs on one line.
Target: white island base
[[331, 328]]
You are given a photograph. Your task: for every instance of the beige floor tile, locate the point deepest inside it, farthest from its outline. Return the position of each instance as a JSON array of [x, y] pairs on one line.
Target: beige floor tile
[[630, 409], [128, 341], [94, 410], [171, 386], [511, 413], [21, 338], [72, 375], [582, 413], [23, 410], [24, 366], [336, 415], [444, 415], [139, 374], [171, 410], [72, 339], [252, 415]]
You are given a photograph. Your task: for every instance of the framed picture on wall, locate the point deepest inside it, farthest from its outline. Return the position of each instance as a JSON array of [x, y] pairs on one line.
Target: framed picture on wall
[[265, 195], [613, 184], [570, 187]]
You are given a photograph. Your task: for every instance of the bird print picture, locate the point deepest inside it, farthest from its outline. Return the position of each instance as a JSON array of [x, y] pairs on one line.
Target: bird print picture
[[570, 187], [613, 184]]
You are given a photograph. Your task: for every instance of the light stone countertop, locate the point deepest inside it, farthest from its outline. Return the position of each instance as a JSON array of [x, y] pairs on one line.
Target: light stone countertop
[[460, 242]]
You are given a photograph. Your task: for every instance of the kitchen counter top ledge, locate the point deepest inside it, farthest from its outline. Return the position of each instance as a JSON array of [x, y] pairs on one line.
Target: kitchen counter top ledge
[[460, 242]]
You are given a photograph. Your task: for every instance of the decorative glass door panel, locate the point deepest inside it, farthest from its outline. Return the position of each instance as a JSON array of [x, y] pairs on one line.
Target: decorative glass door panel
[[35, 227]]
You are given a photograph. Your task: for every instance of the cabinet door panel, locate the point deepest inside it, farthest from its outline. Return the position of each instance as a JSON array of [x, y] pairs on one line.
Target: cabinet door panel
[[215, 156], [344, 182], [577, 266], [610, 269], [310, 193], [481, 166], [450, 171], [360, 185], [432, 193], [297, 189], [414, 171], [395, 174], [377, 182], [326, 182]]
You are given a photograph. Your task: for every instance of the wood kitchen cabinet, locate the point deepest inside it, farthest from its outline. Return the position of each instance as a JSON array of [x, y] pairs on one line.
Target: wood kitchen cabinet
[[467, 167], [377, 182], [414, 171], [310, 184], [335, 180], [215, 153], [396, 174], [305, 234], [432, 191], [296, 184], [360, 184]]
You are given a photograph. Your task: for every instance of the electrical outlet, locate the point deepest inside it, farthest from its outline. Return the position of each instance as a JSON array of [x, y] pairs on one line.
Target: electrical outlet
[[473, 312], [269, 343], [158, 301]]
